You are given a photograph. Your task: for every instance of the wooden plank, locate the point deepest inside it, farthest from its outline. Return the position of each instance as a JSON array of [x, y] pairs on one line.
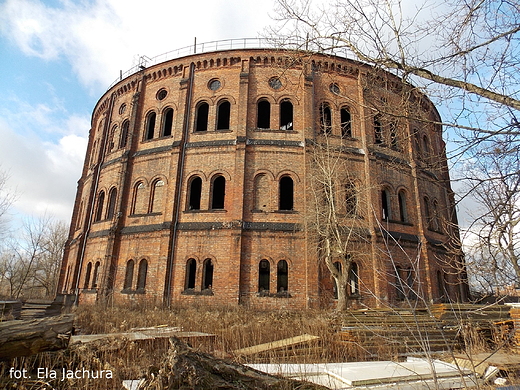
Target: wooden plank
[[274, 345], [144, 334]]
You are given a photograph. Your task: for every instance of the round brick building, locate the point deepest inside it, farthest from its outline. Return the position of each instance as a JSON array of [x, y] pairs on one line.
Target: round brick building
[[198, 185]]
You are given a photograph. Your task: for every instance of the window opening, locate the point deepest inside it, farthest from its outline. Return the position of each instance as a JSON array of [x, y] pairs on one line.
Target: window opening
[[282, 277], [378, 130], [129, 275], [202, 117], [427, 212], [191, 271], [350, 199], [264, 276], [346, 122], [286, 194], [168, 122], [99, 210], [141, 276], [124, 135], [150, 125], [353, 279], [263, 115], [286, 115], [403, 215], [218, 193], [399, 284], [337, 264], [223, 115], [96, 274], [195, 193], [112, 197], [385, 205], [410, 278], [87, 275], [325, 119], [394, 140], [207, 274]]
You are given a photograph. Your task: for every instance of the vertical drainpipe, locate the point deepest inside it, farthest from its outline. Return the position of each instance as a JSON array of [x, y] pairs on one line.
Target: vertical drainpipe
[[178, 187], [101, 158]]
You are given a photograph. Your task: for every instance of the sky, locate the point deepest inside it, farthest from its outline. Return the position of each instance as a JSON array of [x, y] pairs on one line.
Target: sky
[[58, 57]]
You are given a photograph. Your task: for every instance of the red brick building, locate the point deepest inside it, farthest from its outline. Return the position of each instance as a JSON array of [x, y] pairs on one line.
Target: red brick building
[[197, 186]]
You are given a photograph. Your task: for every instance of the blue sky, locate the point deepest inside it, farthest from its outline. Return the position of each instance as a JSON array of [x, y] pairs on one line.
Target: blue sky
[[57, 59]]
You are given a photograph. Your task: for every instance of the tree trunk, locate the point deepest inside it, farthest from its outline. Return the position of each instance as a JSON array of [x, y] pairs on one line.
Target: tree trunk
[[28, 337]]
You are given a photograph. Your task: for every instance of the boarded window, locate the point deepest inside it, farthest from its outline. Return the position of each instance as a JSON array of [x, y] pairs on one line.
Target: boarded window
[[207, 274], [191, 273], [261, 194], [157, 198], [139, 206], [201, 121], [168, 122], [282, 277], [218, 193], [129, 275], [141, 276], [264, 276], [286, 115], [263, 115], [195, 193], [223, 115], [286, 194]]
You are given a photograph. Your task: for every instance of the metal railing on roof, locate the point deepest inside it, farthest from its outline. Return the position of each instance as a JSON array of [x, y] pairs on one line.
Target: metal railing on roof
[[220, 45]]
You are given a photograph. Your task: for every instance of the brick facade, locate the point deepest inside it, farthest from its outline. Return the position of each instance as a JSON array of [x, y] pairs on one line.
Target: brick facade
[[197, 177]]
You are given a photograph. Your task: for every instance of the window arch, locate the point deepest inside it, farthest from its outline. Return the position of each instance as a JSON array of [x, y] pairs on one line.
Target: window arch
[[157, 196], [286, 193], [129, 275], [123, 140], [353, 279], [100, 205], [195, 192], [141, 276], [218, 192], [201, 119], [378, 130], [223, 115], [207, 274], [261, 193], [386, 213], [111, 207], [150, 125], [346, 122], [96, 275], [403, 212], [282, 276], [264, 276], [191, 273], [325, 119], [167, 122], [139, 199], [263, 114], [87, 275], [286, 115]]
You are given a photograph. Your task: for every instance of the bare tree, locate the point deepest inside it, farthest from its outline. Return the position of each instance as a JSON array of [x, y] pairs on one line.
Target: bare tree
[[7, 197]]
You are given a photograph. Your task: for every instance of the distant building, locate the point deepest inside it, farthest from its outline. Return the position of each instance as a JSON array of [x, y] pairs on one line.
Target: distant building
[[196, 185]]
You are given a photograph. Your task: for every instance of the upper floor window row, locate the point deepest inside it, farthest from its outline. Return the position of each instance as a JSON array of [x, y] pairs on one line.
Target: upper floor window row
[[282, 114], [335, 123], [222, 120], [158, 127]]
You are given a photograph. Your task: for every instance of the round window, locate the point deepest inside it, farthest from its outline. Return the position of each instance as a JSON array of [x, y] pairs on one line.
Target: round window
[[334, 88], [275, 83], [214, 84], [122, 109], [161, 94]]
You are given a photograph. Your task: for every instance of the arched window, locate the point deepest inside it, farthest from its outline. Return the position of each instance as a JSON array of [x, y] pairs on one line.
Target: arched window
[[150, 125], [96, 275], [286, 194], [167, 122], [378, 130], [385, 206], [100, 205], [286, 115], [195, 192], [261, 194], [353, 279], [325, 119], [79, 216], [207, 274], [157, 197], [110, 142], [427, 212], [426, 147], [346, 122], [218, 192], [394, 137], [223, 115], [129, 275], [112, 197], [403, 214], [282, 277], [351, 199], [436, 220], [337, 264], [417, 143], [139, 205], [399, 284], [87, 275], [141, 276], [123, 140], [264, 276], [441, 285], [191, 273], [263, 114], [201, 121]]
